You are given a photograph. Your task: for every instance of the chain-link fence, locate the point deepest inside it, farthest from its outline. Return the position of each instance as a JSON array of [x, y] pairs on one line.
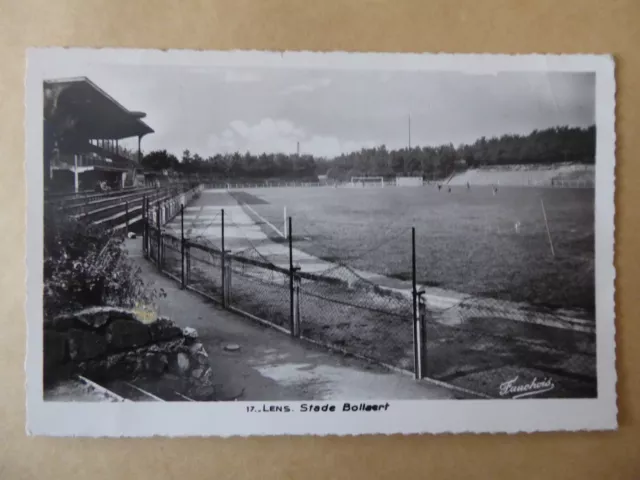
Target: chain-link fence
[[506, 351], [480, 347], [339, 308], [260, 289], [203, 265]]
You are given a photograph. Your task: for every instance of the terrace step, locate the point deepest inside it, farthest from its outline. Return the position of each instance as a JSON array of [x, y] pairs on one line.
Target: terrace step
[[82, 209], [76, 205], [120, 215]]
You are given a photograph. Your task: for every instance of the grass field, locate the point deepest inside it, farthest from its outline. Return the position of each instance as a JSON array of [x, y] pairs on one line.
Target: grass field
[[470, 241]]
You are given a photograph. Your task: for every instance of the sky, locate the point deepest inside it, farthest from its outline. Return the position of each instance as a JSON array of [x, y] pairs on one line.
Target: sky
[[329, 112]]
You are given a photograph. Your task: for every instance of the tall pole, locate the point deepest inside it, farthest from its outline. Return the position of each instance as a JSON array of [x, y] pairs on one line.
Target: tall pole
[[159, 256], [414, 296], [409, 131], [144, 225], [76, 182], [291, 306], [223, 259], [182, 241]]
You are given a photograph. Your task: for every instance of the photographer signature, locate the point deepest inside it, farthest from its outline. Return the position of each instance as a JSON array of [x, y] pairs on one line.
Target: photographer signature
[[535, 387]]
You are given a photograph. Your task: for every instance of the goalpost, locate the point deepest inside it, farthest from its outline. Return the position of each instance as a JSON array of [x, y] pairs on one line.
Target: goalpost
[[367, 181]]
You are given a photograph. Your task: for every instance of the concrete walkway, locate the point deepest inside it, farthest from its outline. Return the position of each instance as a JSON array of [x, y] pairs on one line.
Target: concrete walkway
[[272, 366]]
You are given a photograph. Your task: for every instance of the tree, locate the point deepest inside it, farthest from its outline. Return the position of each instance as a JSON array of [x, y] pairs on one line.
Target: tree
[[159, 160]]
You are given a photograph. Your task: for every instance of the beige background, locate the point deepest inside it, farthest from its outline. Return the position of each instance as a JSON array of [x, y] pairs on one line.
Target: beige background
[[500, 26]]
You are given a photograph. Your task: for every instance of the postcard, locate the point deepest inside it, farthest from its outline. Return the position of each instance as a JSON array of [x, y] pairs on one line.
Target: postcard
[[264, 243]]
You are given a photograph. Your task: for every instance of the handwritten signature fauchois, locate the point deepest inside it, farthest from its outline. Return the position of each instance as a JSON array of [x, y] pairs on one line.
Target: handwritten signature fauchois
[[535, 387]]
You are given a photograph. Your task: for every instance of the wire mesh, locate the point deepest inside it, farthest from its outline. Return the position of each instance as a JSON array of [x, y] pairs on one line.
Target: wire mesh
[[172, 255], [152, 243], [204, 270], [339, 308], [260, 288], [503, 351]]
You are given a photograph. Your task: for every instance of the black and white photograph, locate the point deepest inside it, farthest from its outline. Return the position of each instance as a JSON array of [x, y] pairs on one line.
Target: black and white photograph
[[258, 243]]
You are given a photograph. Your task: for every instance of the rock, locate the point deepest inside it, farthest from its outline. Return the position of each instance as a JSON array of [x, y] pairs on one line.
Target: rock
[[62, 322], [203, 359], [196, 348], [190, 335], [232, 347], [84, 345], [197, 373], [93, 317], [54, 348], [167, 346], [207, 376], [155, 363], [124, 365], [202, 391], [164, 329], [179, 365], [127, 334]]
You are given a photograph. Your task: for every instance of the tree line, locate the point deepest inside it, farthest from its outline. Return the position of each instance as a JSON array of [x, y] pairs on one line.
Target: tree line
[[541, 147]]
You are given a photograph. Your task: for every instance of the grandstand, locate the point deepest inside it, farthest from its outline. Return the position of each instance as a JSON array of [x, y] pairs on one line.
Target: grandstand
[[83, 127]]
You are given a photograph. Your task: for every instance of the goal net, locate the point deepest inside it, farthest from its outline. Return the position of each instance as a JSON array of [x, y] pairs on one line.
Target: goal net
[[367, 181]]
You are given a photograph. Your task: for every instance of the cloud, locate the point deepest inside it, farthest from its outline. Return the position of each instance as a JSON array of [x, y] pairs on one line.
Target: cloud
[[279, 136], [307, 87], [268, 135]]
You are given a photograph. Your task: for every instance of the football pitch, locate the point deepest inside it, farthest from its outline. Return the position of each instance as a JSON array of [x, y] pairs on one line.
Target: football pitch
[[467, 240]]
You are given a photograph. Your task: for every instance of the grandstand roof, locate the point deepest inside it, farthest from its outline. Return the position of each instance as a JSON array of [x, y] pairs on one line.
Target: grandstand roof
[[99, 116]]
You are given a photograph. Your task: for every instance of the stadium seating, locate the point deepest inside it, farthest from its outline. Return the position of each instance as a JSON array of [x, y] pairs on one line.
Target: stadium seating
[[522, 175]]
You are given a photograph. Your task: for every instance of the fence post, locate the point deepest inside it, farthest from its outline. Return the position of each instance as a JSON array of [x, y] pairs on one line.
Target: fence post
[[294, 300], [285, 223], [187, 253], [126, 218], [227, 280], [144, 221], [158, 253], [146, 224], [296, 306], [223, 260], [182, 259], [414, 297], [422, 335]]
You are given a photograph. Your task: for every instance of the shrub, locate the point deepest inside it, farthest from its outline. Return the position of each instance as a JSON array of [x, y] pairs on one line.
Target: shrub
[[86, 265]]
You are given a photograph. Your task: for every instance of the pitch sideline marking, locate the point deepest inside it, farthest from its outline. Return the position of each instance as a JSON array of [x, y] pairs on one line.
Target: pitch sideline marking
[[263, 219]]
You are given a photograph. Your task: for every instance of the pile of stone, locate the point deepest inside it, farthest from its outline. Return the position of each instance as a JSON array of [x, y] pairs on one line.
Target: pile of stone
[[106, 344]]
